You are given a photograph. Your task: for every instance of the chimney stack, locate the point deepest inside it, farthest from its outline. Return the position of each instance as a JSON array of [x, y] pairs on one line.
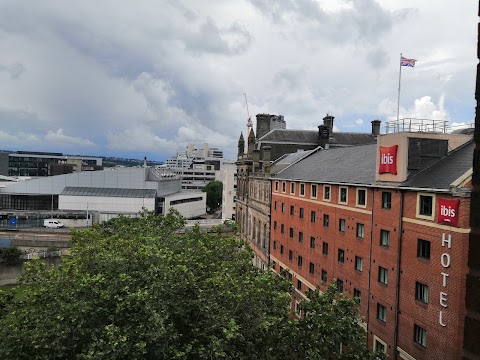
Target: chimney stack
[[256, 160], [266, 159], [328, 122], [376, 127], [323, 136]]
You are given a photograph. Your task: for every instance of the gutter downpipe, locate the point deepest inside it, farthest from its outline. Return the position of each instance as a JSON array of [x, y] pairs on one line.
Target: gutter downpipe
[[399, 264], [370, 260]]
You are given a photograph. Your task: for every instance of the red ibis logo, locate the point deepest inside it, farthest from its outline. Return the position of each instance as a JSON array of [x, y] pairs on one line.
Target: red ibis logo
[[448, 212], [388, 160]]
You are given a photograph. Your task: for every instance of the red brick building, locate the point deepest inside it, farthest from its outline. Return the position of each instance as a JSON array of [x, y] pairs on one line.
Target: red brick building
[[390, 222]]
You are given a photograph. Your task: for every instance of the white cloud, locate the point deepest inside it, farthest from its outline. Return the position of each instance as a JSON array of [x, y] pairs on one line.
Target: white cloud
[[359, 122], [135, 77], [59, 138]]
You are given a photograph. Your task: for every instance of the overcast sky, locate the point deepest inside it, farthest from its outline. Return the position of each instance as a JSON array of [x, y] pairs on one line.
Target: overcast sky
[[146, 78]]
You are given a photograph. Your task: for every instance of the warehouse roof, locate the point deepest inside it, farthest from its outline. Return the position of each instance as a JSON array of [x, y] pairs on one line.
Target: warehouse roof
[[109, 192]]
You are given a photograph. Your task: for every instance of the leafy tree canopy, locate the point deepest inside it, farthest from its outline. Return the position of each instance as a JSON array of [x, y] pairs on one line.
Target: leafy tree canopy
[[214, 194], [135, 289]]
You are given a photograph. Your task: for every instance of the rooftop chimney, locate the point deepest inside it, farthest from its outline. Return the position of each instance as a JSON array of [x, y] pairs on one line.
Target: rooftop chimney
[[376, 127], [256, 160], [266, 159], [328, 122], [323, 136]]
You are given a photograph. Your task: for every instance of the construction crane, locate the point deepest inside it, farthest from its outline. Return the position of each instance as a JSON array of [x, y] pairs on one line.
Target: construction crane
[[249, 121]]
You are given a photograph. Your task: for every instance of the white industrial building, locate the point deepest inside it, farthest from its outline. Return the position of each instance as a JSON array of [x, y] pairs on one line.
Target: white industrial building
[[104, 194]]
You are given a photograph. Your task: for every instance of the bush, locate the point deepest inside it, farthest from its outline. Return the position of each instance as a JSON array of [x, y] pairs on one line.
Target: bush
[[10, 256]]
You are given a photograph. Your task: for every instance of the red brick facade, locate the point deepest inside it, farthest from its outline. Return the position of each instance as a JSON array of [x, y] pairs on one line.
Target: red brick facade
[[383, 250]]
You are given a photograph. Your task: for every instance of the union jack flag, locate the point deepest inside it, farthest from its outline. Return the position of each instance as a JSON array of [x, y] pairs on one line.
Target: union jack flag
[[407, 62]]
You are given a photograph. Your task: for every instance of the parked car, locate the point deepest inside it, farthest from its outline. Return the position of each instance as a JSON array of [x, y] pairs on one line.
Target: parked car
[[53, 224]]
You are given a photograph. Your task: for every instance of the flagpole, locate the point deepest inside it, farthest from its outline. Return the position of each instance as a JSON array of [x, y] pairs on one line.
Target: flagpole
[[399, 85]]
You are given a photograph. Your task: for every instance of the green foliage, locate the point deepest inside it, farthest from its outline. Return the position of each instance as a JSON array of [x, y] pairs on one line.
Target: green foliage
[[136, 289], [214, 194], [331, 328], [10, 256]]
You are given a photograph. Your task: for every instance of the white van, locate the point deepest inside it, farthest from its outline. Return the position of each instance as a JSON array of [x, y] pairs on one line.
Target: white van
[[53, 224]]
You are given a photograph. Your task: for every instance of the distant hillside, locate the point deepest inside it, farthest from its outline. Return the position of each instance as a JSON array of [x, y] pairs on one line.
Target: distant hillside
[[114, 161]]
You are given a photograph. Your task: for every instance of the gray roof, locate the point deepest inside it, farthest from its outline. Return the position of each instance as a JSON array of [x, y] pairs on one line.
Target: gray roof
[[109, 192], [357, 165], [288, 159], [441, 174], [311, 137], [353, 165]]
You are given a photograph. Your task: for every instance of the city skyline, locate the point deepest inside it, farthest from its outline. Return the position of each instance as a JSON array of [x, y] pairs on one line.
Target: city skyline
[[146, 80]]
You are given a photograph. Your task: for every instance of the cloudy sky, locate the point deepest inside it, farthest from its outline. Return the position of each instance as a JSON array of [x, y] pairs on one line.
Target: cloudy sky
[[146, 78]]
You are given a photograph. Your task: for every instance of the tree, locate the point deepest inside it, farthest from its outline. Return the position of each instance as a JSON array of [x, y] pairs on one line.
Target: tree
[[330, 328], [214, 194], [136, 289]]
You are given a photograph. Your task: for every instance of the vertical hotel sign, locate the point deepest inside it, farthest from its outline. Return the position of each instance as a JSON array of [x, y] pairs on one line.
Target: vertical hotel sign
[[448, 215], [388, 159]]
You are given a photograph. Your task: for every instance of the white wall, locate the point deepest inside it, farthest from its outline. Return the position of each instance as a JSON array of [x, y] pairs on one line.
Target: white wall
[[187, 209], [105, 204], [229, 182]]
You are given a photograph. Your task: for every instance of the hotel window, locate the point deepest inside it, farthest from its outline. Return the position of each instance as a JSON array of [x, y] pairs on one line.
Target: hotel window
[[282, 229], [292, 210], [326, 192], [381, 313], [312, 243], [302, 189], [300, 260], [361, 197], [386, 200], [283, 207], [275, 225], [313, 216], [326, 220], [290, 255], [358, 263], [380, 347], [284, 186], [421, 292], [290, 277], [341, 225], [291, 232], [276, 186], [300, 237], [340, 285], [325, 248], [292, 188], [382, 275], [358, 295], [275, 205], [312, 268], [360, 230], [341, 256], [299, 285], [423, 249], [281, 249], [314, 191], [343, 195], [420, 335], [301, 213], [324, 276], [274, 245], [384, 237], [298, 309], [425, 206]]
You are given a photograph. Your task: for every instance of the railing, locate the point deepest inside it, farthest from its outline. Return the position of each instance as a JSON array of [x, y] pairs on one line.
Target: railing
[[43, 255], [417, 125]]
